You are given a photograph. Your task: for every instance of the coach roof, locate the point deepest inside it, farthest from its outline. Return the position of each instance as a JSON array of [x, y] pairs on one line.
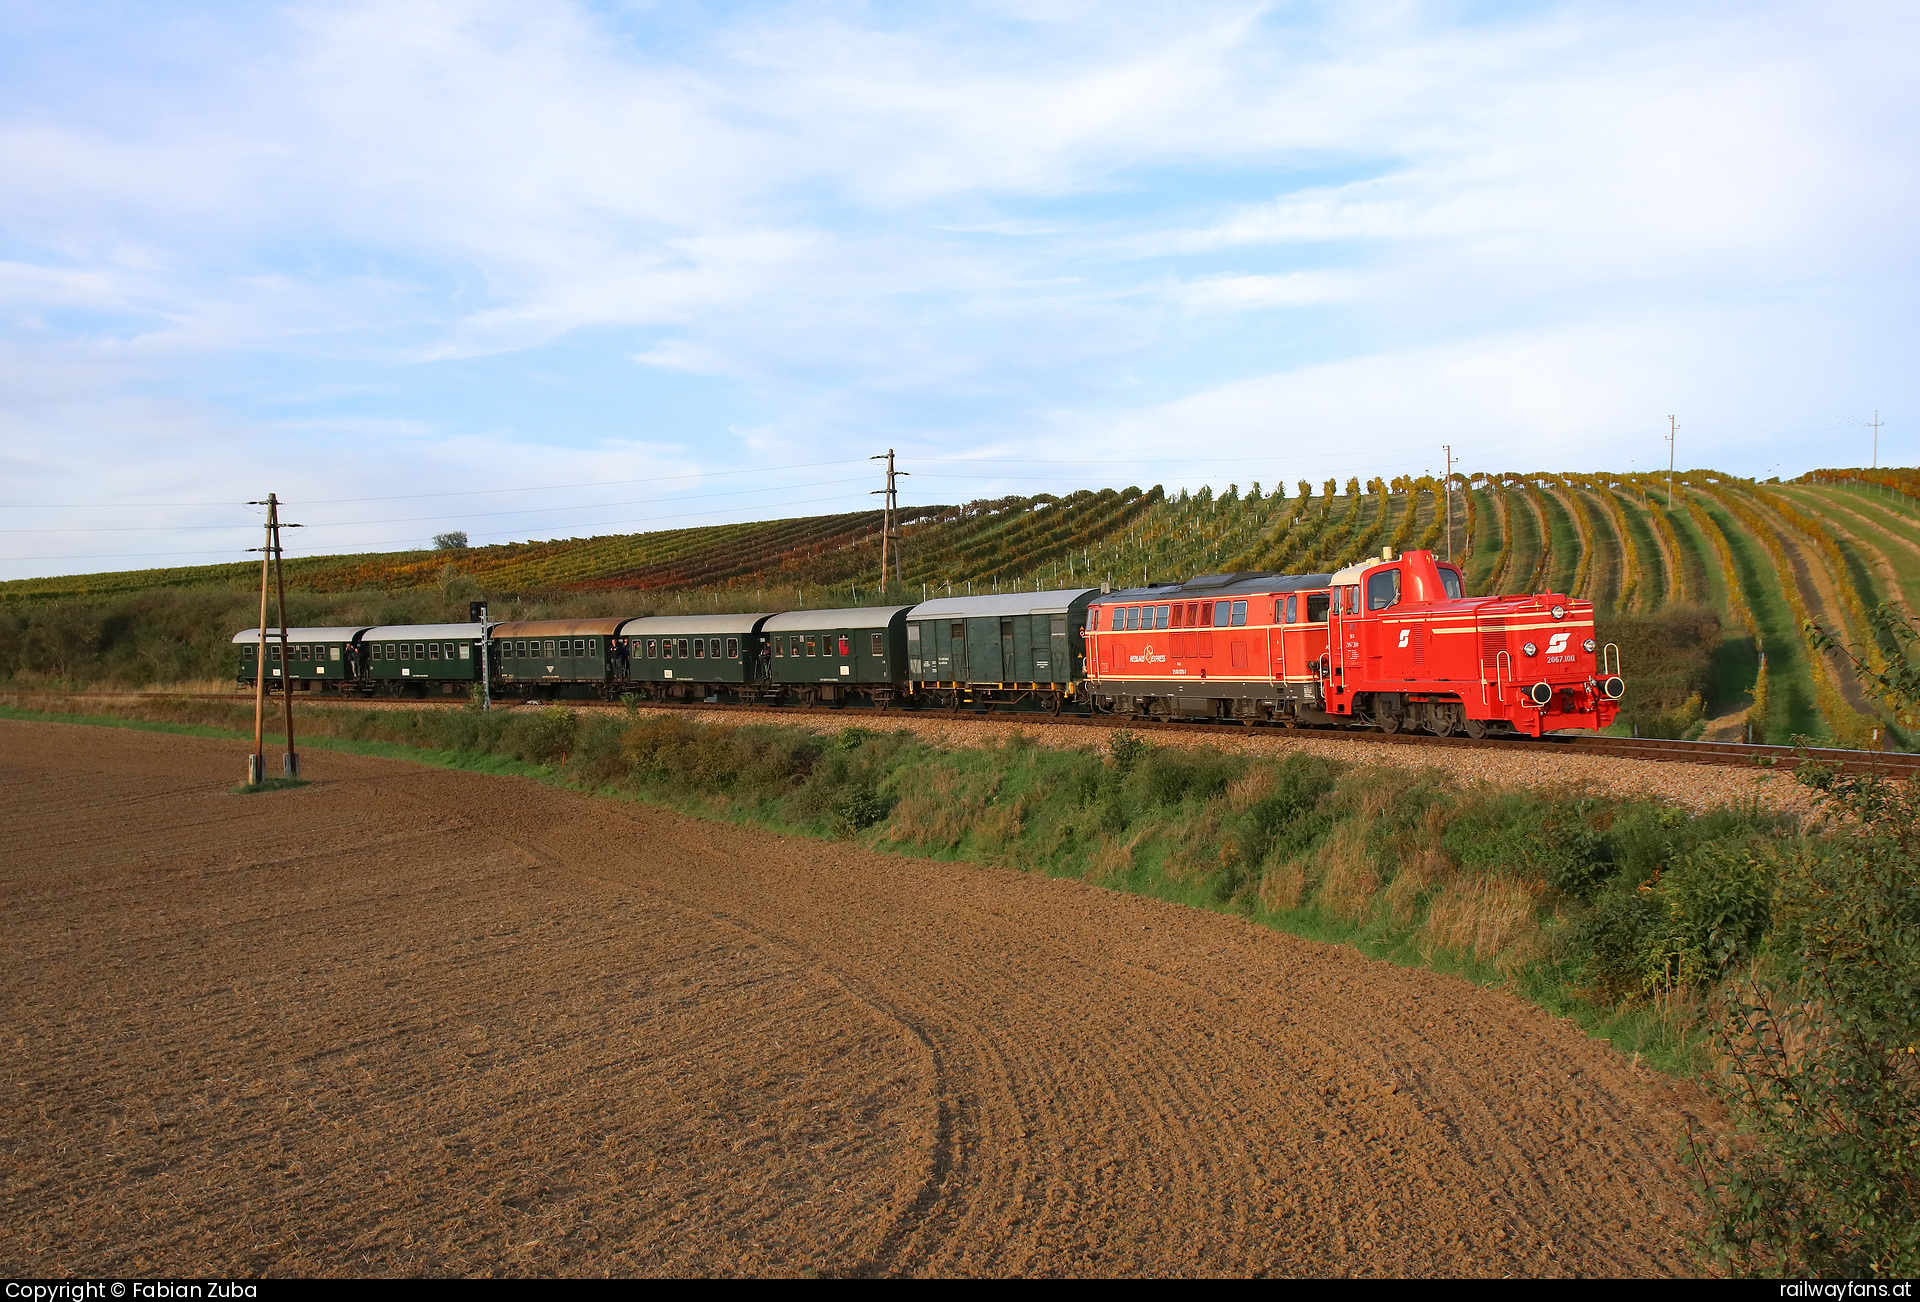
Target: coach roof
[[251, 635], [424, 632], [693, 625], [1056, 602], [845, 617], [557, 627]]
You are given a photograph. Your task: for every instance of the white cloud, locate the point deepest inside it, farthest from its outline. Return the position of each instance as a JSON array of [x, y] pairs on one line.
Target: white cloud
[[963, 228]]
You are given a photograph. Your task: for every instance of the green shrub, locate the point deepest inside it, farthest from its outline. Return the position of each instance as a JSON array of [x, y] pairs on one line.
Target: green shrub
[[541, 737]]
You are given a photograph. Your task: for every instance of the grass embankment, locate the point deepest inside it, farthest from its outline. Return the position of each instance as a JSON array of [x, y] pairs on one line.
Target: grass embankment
[[1591, 907]]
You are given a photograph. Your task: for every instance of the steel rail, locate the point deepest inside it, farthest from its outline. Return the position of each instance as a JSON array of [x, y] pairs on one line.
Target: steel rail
[[1656, 750]]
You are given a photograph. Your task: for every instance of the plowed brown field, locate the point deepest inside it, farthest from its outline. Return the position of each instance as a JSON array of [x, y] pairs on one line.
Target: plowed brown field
[[406, 1020]]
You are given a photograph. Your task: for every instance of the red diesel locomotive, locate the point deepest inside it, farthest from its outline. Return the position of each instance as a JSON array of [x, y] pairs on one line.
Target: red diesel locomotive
[[1389, 643]]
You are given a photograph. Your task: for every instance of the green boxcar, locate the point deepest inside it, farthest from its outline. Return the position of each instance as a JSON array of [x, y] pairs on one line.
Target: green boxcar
[[531, 653], [415, 659], [1001, 647], [315, 656], [683, 655], [862, 649]]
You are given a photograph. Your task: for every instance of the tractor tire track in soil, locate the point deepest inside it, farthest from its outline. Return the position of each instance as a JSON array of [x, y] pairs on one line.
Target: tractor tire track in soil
[[407, 1020]]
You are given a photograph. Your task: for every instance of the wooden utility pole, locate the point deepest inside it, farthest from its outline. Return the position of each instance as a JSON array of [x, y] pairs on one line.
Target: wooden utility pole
[[257, 762], [890, 524], [270, 562]]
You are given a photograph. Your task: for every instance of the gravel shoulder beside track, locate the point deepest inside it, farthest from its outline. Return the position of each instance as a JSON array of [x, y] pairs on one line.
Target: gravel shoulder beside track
[[410, 1020], [1698, 787]]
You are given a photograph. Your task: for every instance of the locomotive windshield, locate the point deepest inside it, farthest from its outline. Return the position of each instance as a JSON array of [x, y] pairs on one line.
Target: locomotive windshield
[[1450, 580]]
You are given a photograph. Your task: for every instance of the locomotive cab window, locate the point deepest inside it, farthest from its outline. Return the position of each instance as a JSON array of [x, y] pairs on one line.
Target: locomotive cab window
[[1160, 616], [1450, 582], [1220, 613], [1239, 613], [1383, 589], [1317, 604]]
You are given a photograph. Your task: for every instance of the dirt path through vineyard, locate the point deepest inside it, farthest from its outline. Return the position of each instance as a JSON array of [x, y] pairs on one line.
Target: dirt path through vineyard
[[413, 1021]]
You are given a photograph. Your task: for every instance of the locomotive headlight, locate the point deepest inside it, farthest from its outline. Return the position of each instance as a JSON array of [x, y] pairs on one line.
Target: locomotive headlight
[[1587, 646], [1531, 649], [1559, 612]]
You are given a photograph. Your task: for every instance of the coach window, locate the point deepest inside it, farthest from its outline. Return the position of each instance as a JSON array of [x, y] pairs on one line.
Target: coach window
[[466, 651], [306, 652], [406, 651], [846, 645], [699, 648], [878, 645], [666, 648], [1239, 613], [593, 646], [1161, 615], [813, 647], [733, 648], [433, 651], [653, 648]]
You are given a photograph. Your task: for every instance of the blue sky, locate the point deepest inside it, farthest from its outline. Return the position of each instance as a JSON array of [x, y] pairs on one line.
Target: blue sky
[[546, 269]]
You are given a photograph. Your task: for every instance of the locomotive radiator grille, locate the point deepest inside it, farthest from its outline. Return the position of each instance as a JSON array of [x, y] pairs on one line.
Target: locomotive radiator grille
[[1493, 640]]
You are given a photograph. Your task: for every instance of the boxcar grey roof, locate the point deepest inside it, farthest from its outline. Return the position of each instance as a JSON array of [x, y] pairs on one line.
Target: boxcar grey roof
[[1218, 585], [1056, 602], [402, 632], [252, 635], [660, 625], [846, 617]]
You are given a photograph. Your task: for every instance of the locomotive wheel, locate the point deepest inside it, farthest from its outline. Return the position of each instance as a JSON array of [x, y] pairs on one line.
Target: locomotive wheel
[[1476, 728], [1389, 723], [1443, 721]]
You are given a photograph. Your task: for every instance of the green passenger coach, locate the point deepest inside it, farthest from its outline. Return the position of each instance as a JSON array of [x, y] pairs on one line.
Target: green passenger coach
[[317, 659], [999, 649], [541, 657], [680, 656], [830, 655], [422, 659]]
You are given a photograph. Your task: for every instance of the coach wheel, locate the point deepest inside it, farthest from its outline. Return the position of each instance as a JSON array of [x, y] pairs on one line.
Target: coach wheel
[[1053, 703], [1475, 728]]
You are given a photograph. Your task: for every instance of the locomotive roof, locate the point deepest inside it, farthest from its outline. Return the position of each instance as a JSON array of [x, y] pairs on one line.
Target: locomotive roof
[[249, 636], [402, 632], [1218, 585], [659, 625], [845, 617], [1056, 602], [558, 627]]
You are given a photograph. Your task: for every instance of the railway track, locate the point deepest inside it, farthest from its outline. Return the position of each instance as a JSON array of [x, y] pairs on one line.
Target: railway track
[[1659, 750]]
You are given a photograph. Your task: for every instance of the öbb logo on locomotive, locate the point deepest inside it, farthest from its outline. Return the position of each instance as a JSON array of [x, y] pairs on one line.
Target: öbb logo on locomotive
[[1391, 643]]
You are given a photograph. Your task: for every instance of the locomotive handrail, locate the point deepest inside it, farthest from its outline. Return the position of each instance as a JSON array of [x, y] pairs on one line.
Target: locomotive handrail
[[1615, 649], [1499, 683]]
